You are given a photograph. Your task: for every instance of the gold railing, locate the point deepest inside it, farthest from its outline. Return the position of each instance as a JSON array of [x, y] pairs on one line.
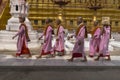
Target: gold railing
[[4, 16]]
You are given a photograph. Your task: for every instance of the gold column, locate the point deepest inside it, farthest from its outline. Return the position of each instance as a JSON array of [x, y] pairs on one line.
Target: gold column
[[39, 22]]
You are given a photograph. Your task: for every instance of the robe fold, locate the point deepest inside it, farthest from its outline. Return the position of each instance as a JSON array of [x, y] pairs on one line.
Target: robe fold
[[78, 50], [47, 45], [23, 38], [95, 41], [104, 43], [59, 44]]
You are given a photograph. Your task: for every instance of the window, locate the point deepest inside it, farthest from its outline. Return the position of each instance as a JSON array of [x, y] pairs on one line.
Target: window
[[36, 22], [80, 1], [110, 22], [105, 1], [74, 1], [71, 22], [42, 1], [116, 23], [113, 1], [85, 22], [43, 22]]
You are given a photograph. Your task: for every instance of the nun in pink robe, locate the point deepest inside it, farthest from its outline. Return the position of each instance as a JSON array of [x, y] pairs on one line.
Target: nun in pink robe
[[78, 50], [59, 44], [104, 43], [95, 40], [47, 45], [23, 38]]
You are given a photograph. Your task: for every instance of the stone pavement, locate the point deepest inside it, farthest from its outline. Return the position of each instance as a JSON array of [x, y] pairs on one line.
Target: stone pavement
[[9, 60], [58, 68]]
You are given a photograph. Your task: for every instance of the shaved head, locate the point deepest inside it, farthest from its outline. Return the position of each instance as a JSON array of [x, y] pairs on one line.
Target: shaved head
[[79, 20], [48, 21], [96, 23], [58, 21]]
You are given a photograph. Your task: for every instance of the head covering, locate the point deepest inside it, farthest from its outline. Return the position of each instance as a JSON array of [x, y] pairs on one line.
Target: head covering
[[106, 22]]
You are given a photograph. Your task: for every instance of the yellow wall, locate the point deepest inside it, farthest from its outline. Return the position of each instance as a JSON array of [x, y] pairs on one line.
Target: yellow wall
[[39, 11]]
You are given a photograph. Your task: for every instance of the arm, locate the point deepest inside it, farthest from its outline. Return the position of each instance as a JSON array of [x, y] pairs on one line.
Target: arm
[[19, 32], [41, 36], [49, 32], [61, 33], [81, 34], [97, 33], [108, 31]]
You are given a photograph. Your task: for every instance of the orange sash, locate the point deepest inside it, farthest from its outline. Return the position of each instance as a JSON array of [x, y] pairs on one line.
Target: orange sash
[[79, 30], [58, 30], [94, 30], [45, 31]]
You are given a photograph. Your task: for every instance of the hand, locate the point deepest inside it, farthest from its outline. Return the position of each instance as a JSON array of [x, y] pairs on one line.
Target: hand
[[95, 36], [39, 38], [68, 38], [79, 43], [71, 37], [28, 40], [44, 41], [57, 39], [13, 37]]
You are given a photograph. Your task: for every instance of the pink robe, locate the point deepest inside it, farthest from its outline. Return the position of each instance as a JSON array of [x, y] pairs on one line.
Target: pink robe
[[78, 50], [59, 45], [95, 42], [22, 47], [105, 42], [47, 46]]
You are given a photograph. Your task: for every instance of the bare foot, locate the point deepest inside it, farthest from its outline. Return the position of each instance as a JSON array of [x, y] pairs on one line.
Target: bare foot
[[91, 56], [38, 57], [97, 59], [14, 55], [61, 54], [108, 59], [70, 60], [29, 56], [85, 60], [52, 55]]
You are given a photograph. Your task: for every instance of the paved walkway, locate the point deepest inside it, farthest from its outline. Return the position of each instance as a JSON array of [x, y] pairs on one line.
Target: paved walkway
[[58, 68], [9, 60]]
